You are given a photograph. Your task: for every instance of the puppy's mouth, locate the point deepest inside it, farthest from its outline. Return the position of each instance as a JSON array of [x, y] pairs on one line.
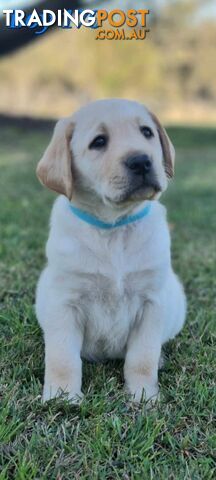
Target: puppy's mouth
[[136, 194]]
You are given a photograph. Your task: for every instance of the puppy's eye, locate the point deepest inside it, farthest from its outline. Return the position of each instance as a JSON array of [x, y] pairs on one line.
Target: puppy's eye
[[147, 132], [99, 142]]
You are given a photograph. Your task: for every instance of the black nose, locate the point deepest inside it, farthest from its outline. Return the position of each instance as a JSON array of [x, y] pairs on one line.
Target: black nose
[[139, 164]]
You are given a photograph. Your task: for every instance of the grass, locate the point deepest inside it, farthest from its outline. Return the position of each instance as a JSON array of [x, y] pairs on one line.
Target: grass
[[107, 438]]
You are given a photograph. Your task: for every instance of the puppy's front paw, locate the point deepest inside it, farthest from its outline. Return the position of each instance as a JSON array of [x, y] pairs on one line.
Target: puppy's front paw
[[50, 392], [146, 391]]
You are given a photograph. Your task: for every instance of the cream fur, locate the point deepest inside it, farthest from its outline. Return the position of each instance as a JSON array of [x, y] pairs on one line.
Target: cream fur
[[108, 294]]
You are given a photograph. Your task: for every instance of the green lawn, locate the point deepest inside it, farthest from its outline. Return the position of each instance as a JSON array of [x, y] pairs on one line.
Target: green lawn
[[107, 438]]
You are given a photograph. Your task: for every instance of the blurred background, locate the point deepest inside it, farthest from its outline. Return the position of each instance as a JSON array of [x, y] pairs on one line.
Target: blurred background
[[173, 70]]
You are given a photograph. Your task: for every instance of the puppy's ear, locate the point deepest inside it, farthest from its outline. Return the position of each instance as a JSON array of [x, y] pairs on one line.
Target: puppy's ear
[[167, 147], [54, 169]]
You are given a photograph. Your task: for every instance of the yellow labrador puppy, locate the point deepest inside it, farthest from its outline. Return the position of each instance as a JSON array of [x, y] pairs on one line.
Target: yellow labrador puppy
[[108, 290]]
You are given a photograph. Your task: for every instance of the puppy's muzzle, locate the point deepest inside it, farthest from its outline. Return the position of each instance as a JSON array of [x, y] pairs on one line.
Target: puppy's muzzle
[[141, 172]]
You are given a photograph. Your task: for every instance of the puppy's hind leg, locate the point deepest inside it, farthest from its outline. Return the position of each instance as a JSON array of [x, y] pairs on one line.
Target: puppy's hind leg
[[176, 306]]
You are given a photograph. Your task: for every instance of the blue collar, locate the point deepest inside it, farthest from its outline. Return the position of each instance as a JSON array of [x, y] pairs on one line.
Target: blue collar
[[95, 222]]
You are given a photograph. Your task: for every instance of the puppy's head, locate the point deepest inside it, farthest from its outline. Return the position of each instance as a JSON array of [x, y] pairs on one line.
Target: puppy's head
[[115, 150]]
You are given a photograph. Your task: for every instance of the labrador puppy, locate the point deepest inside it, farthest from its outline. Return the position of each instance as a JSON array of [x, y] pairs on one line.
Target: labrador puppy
[[108, 290]]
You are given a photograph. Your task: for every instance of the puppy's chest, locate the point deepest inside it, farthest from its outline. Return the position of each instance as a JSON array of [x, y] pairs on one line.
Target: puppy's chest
[[106, 291], [109, 280], [109, 304], [109, 293]]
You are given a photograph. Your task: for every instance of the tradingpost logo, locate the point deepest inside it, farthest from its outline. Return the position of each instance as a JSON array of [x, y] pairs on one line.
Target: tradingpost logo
[[121, 25], [108, 25]]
